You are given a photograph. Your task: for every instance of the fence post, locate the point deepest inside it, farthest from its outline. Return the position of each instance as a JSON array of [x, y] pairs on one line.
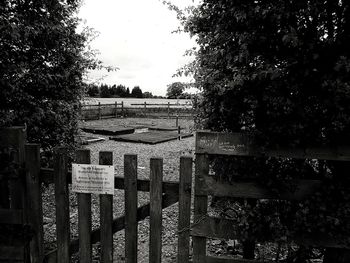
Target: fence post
[[116, 109], [200, 208], [184, 209], [84, 213], [145, 105], [156, 177], [99, 111], [130, 175], [34, 201], [62, 204], [168, 109], [106, 215], [123, 108], [16, 185]]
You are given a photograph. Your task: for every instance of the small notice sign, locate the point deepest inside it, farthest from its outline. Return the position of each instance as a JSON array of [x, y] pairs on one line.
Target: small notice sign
[[94, 179]]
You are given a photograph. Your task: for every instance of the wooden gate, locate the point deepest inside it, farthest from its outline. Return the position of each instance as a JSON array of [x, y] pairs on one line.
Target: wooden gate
[[236, 144], [17, 223], [21, 205]]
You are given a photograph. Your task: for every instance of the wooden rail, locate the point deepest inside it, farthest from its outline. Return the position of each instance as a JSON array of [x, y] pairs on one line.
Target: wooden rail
[[162, 195], [239, 144]]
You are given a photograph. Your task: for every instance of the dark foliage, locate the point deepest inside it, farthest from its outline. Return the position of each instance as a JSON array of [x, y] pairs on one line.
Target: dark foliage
[[279, 70], [42, 62]]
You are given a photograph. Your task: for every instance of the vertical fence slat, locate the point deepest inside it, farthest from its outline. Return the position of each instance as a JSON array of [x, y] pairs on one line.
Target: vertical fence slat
[[200, 208], [156, 178], [106, 215], [116, 109], [184, 209], [16, 185], [168, 109], [99, 111], [130, 174], [123, 108], [84, 213], [34, 201], [62, 204]]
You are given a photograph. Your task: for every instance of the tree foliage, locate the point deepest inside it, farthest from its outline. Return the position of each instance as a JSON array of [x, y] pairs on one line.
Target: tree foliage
[[43, 59], [136, 92], [280, 70], [175, 90]]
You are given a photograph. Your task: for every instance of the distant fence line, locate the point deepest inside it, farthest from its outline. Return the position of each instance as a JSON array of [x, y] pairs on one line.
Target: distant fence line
[[142, 110]]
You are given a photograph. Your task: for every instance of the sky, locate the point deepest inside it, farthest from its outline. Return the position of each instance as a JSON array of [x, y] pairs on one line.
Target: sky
[[136, 36]]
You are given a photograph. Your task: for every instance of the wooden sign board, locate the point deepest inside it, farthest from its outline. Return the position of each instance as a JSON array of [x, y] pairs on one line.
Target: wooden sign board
[[241, 144], [93, 179]]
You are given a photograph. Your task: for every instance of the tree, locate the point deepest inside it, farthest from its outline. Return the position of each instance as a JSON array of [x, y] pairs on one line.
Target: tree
[[105, 91], [127, 94], [121, 91], [279, 70], [175, 90], [136, 92], [92, 90], [147, 95], [43, 60]]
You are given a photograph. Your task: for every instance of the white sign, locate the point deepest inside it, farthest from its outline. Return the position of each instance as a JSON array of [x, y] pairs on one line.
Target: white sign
[[95, 179]]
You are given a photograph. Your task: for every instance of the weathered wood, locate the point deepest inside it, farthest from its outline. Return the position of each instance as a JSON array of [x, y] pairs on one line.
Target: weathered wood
[[200, 208], [11, 216], [62, 204], [143, 185], [84, 213], [184, 209], [106, 215], [99, 111], [209, 186], [116, 109], [118, 224], [130, 173], [34, 202], [12, 254], [241, 144], [155, 250], [222, 228], [17, 182], [210, 259]]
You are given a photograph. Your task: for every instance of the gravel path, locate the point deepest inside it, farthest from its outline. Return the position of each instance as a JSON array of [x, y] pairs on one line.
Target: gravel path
[[169, 151]]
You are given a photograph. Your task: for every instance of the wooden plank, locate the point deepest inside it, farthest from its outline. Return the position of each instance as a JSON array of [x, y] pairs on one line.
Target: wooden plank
[[222, 228], [156, 176], [11, 216], [84, 213], [118, 224], [106, 215], [12, 254], [211, 259], [46, 176], [209, 186], [62, 204], [240, 144], [130, 173], [200, 208], [17, 183], [34, 202], [184, 209]]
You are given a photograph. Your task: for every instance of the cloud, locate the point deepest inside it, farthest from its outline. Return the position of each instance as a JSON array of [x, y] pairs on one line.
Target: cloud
[[136, 37]]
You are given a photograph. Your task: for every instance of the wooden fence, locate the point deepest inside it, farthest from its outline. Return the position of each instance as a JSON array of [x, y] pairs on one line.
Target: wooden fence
[[143, 110], [236, 144], [162, 195]]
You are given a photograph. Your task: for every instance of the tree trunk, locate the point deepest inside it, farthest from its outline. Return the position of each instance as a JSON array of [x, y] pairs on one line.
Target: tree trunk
[[248, 249]]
